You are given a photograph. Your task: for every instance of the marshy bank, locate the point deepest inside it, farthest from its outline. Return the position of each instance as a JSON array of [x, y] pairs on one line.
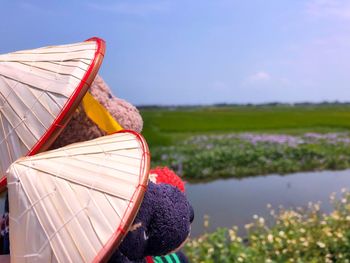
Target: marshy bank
[[305, 235], [208, 157], [292, 218]]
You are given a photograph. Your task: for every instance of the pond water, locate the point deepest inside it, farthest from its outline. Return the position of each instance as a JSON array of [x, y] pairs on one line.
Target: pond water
[[235, 201]]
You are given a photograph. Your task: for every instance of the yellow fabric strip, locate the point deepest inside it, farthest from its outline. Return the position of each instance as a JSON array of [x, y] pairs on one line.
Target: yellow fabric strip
[[100, 115]]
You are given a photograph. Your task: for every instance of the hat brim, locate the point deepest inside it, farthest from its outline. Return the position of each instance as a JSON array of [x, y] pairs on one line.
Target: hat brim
[[76, 203], [61, 119]]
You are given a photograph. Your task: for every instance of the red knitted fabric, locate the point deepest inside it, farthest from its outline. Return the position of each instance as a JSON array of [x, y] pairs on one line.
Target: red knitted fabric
[[167, 176]]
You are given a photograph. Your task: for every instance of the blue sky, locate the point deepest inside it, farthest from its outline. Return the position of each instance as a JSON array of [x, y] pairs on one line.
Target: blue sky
[[199, 51]]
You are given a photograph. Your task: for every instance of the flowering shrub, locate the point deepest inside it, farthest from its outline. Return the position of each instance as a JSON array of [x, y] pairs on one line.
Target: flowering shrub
[[245, 154], [300, 235]]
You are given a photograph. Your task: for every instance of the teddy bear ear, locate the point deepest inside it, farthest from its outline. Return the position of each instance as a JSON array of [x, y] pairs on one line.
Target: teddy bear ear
[[39, 91], [76, 203]]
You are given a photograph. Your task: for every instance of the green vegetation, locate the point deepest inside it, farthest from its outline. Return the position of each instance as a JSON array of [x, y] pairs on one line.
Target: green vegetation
[[302, 235], [238, 155], [206, 143], [211, 142], [169, 126]]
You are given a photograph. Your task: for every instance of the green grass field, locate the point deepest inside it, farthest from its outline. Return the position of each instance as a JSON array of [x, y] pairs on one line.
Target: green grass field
[[168, 126]]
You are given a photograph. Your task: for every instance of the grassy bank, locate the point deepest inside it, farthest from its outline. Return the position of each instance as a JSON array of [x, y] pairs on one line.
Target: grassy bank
[[302, 235]]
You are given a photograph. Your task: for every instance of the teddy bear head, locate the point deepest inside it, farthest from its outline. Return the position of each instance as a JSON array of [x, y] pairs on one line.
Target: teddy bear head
[[81, 128], [162, 224]]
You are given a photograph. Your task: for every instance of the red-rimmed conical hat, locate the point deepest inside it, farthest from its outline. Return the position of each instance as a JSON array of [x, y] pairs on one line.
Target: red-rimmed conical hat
[[39, 89], [76, 203]]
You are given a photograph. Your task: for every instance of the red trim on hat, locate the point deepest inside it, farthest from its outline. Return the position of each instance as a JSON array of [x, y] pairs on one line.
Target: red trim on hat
[[133, 206]]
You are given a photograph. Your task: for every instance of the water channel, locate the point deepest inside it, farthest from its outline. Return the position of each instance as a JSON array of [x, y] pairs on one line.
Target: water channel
[[235, 201]]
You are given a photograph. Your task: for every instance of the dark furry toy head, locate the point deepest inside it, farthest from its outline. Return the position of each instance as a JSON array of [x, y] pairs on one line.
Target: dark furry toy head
[[162, 224]]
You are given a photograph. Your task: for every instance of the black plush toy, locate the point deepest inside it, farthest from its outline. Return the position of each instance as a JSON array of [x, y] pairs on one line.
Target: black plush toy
[[161, 226]]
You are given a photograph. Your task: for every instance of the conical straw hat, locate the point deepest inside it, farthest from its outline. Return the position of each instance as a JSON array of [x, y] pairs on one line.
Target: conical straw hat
[[75, 204], [39, 89]]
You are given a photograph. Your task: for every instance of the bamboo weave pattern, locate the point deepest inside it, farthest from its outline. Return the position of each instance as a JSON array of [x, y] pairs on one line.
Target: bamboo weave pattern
[[35, 86], [75, 203]]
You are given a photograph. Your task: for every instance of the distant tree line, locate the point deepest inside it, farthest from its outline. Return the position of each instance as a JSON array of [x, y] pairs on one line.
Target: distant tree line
[[224, 105]]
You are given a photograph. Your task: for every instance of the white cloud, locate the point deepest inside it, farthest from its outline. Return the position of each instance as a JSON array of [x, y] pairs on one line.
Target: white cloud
[[132, 8], [339, 9], [259, 76]]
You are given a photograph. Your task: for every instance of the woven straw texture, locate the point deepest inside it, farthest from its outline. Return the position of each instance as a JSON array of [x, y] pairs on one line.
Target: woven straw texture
[[36, 89], [75, 204]]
